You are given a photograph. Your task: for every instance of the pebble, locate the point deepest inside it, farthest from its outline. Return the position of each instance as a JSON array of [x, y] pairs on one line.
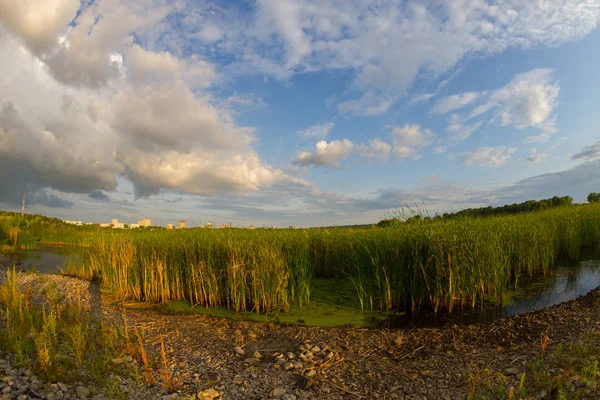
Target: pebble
[[239, 351], [512, 371], [288, 365], [82, 391], [257, 355], [208, 394], [277, 393], [252, 361]]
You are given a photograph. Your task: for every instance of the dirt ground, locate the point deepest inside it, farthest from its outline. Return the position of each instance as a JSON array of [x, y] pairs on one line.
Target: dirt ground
[[233, 359], [444, 363]]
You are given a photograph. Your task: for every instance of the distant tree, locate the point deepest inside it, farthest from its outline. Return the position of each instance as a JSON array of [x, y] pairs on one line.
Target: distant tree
[[593, 198], [385, 223]]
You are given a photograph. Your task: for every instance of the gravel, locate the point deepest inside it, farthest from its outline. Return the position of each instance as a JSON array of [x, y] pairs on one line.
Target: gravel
[[210, 356]]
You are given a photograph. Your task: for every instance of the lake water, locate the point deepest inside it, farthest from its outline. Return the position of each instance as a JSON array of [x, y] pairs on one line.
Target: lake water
[[46, 259], [566, 283]]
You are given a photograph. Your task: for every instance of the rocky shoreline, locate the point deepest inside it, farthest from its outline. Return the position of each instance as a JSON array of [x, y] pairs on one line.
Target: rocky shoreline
[[229, 359]]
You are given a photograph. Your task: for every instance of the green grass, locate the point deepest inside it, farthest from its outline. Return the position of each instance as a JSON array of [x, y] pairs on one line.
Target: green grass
[[440, 265]]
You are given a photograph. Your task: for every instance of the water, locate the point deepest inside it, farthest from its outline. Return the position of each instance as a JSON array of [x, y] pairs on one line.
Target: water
[[46, 259], [566, 283]]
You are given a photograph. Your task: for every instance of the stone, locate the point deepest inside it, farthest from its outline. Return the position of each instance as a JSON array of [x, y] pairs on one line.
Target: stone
[[298, 365], [252, 361], [208, 394], [257, 355], [291, 355], [310, 373], [305, 383], [277, 393], [82, 391], [10, 372], [23, 397], [62, 387], [316, 349], [288, 365], [288, 397], [398, 340], [511, 371], [239, 351]]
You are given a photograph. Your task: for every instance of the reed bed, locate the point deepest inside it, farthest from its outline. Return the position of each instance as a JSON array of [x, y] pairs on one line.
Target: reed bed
[[440, 264]]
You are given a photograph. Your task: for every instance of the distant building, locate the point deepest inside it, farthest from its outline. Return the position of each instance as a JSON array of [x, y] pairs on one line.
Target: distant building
[[133, 226], [118, 225], [251, 227], [181, 224], [114, 221], [145, 222], [73, 222], [104, 225], [208, 225], [169, 226]]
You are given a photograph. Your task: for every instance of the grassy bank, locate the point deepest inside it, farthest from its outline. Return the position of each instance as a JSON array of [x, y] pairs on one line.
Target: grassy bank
[[440, 264]]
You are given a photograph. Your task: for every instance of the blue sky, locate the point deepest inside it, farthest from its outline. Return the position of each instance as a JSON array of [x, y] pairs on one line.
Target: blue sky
[[295, 112]]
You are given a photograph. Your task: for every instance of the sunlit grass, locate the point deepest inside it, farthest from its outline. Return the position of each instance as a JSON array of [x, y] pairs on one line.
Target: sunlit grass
[[440, 264]]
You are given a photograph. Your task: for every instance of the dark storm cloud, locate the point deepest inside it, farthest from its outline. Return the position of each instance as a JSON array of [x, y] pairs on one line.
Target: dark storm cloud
[[99, 195]]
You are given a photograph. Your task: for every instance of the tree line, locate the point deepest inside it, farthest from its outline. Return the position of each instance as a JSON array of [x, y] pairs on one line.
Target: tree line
[[516, 208]]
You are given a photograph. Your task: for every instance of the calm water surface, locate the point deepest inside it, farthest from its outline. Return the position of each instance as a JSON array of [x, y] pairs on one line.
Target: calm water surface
[[47, 259]]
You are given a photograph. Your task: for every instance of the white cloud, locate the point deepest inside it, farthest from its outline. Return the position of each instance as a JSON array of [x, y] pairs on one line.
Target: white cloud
[[535, 157], [541, 138], [457, 132], [460, 132], [378, 42], [487, 156], [38, 22], [528, 100], [369, 104], [243, 102], [116, 109], [317, 131], [210, 33], [409, 139], [454, 102], [375, 150], [328, 155], [421, 98]]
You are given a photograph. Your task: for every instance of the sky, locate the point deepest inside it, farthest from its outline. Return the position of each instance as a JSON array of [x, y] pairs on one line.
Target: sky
[[295, 112]]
